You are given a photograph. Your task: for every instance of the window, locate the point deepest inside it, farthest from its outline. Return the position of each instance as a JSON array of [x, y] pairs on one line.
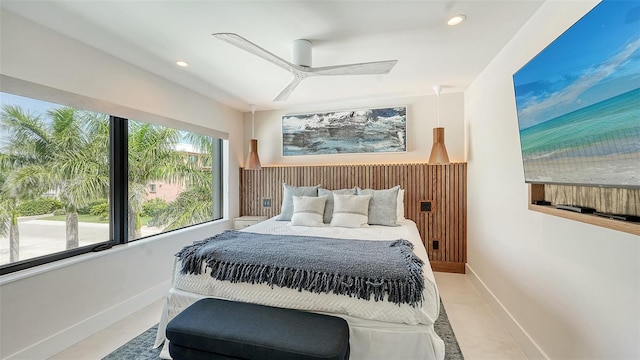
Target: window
[[54, 180], [157, 154], [73, 179]]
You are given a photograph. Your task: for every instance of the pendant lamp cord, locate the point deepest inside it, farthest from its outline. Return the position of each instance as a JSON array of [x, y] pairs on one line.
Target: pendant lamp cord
[[253, 112], [437, 89], [438, 107]]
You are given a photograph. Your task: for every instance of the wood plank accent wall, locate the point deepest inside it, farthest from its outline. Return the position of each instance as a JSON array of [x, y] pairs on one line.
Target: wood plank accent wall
[[609, 200], [444, 185]]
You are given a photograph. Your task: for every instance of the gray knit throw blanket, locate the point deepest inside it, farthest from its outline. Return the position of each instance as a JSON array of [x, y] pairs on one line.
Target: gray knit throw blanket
[[362, 268]]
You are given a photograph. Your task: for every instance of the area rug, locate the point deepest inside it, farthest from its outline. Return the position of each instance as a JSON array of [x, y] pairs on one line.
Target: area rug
[[443, 329], [140, 348]]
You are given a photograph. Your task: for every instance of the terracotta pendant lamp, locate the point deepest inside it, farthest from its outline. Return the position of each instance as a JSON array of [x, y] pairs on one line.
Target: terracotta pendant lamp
[[439, 154], [253, 161]]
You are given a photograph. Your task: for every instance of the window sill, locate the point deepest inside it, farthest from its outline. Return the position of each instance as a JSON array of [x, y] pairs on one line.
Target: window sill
[[44, 268]]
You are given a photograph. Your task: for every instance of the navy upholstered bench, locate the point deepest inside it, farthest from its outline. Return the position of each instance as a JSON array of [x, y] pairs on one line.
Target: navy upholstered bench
[[221, 329]]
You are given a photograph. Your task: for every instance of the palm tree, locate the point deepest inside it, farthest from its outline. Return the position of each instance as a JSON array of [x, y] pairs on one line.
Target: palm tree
[[12, 190], [8, 212], [9, 224], [152, 157], [15, 185], [66, 154], [81, 158], [195, 204], [192, 206]]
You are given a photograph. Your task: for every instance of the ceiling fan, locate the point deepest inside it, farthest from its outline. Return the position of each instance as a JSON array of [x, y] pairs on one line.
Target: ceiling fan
[[301, 62]]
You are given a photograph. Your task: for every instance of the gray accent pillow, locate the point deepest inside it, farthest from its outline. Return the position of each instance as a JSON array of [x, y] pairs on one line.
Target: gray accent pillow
[[383, 206], [328, 207], [286, 212]]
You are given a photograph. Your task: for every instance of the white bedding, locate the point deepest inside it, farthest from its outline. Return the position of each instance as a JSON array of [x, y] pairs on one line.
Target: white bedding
[[376, 328]]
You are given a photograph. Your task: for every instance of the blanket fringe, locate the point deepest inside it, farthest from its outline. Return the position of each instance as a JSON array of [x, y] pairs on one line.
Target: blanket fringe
[[398, 291]]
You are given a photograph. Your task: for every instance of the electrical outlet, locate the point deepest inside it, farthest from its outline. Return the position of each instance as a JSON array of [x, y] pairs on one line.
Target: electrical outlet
[[266, 203], [435, 244], [425, 206]]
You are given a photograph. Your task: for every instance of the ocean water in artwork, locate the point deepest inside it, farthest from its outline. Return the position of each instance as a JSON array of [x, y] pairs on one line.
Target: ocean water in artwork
[[356, 131], [598, 144]]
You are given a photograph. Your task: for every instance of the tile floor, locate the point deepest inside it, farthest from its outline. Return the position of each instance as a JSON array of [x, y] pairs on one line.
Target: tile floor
[[479, 333], [102, 343]]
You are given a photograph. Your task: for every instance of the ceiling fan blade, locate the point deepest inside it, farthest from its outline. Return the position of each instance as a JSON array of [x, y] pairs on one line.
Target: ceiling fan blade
[[370, 68], [246, 45], [284, 94]]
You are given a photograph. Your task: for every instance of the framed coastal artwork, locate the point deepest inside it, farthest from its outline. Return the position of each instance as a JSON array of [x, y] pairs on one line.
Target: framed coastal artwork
[[377, 130]]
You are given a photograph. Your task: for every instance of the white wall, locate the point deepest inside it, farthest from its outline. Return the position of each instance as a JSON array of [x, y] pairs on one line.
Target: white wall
[[43, 312], [573, 288], [421, 119]]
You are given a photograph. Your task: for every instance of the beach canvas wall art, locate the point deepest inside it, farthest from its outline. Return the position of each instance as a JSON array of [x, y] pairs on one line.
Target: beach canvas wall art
[[578, 102], [345, 132]]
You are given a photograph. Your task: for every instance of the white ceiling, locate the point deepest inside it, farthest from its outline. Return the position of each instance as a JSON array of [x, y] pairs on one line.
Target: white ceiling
[[154, 34]]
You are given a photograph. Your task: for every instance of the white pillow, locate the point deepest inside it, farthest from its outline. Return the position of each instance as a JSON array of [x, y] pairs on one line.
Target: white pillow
[[287, 198], [350, 211], [400, 204], [328, 208], [308, 211]]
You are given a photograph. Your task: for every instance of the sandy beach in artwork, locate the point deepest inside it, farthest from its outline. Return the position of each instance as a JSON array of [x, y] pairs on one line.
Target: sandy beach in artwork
[[598, 145], [595, 170]]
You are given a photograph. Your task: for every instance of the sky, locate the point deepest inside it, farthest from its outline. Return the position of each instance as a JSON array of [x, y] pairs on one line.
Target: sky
[[594, 60], [32, 106], [37, 107]]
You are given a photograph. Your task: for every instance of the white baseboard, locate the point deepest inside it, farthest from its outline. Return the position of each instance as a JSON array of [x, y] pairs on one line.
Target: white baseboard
[[530, 347], [80, 331]]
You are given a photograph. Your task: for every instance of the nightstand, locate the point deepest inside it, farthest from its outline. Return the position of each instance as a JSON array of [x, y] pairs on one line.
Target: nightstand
[[246, 221]]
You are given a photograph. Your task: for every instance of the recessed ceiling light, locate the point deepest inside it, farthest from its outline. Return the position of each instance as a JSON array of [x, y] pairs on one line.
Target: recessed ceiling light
[[456, 19], [182, 63]]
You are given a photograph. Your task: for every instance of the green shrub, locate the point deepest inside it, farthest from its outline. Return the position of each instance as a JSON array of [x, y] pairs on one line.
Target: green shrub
[[86, 210], [101, 210], [39, 206], [153, 208]]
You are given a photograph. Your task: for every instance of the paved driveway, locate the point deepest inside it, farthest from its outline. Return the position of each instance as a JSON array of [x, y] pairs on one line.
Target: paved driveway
[[42, 237]]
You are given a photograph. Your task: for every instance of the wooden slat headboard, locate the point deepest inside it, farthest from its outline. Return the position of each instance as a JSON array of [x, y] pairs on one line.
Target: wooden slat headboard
[[445, 186]]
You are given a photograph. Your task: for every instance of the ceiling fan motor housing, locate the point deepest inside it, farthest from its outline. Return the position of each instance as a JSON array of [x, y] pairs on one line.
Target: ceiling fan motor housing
[[301, 52]]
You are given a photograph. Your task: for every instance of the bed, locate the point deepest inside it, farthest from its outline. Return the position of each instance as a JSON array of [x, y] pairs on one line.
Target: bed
[[378, 329]]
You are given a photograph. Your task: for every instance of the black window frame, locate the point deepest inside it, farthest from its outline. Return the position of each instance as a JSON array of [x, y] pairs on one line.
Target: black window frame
[[118, 197]]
